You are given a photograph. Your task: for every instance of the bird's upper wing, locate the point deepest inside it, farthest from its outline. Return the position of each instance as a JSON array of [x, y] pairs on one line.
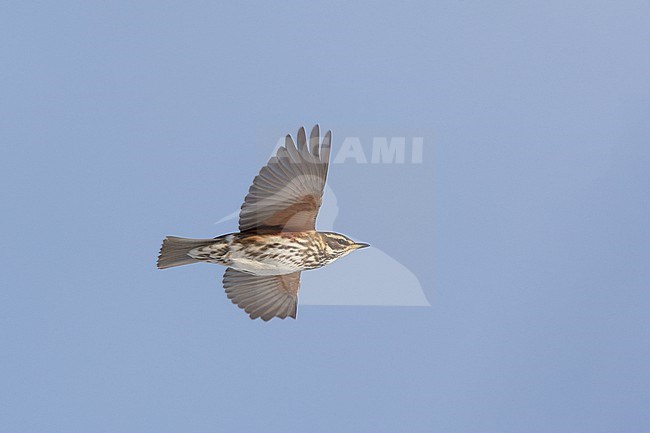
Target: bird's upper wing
[[265, 296], [288, 191]]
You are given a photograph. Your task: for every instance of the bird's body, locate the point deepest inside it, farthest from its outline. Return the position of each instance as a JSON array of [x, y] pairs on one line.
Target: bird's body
[[277, 238], [270, 254]]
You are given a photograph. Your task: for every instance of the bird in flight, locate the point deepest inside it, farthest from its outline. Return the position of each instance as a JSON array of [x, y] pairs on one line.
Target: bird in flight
[[277, 237]]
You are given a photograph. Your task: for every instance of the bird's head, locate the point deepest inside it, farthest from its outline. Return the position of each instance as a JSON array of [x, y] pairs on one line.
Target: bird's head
[[337, 245]]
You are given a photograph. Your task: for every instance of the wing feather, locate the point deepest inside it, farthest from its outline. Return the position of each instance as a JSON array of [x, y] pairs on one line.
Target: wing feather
[[287, 193], [264, 296]]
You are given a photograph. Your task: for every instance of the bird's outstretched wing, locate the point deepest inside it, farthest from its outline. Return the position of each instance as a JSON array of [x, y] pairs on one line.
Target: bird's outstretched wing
[[265, 296], [287, 193]]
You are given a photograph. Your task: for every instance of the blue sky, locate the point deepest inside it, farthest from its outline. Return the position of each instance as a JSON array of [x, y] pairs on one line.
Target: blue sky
[[526, 224]]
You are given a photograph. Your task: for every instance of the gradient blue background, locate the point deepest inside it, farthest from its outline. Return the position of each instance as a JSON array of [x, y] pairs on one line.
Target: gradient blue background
[[527, 223]]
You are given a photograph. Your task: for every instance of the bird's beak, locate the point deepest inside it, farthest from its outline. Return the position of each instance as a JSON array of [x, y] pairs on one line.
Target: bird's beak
[[358, 245]]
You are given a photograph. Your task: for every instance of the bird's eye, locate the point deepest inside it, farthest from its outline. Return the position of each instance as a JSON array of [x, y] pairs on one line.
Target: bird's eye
[[342, 242]]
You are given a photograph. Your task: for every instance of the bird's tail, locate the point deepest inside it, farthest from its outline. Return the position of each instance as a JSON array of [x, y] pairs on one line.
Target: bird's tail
[[174, 251]]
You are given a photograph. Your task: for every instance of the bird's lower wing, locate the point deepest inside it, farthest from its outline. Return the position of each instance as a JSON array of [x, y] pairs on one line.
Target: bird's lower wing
[[265, 296]]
